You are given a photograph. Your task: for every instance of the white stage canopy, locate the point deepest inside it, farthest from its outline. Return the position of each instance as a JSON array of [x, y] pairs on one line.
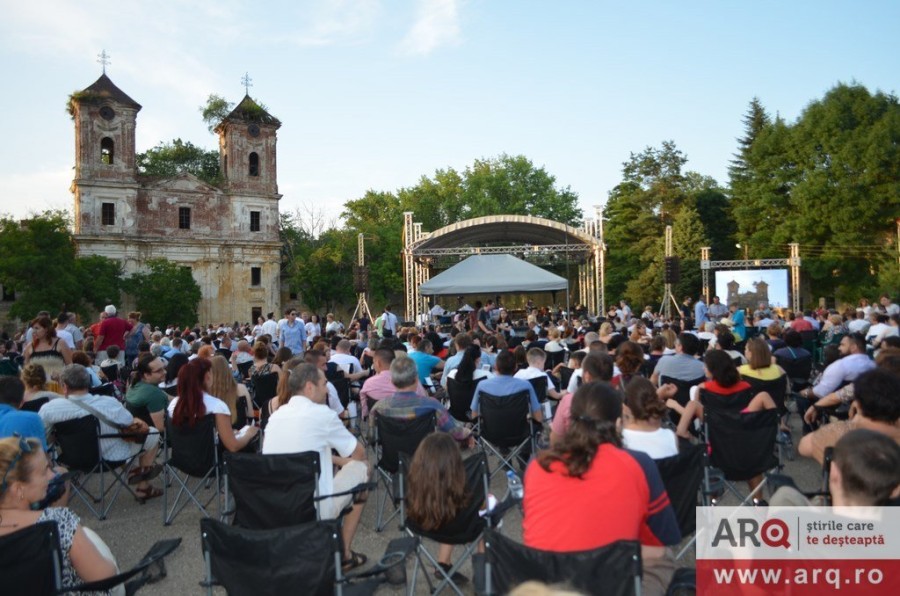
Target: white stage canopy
[[492, 274]]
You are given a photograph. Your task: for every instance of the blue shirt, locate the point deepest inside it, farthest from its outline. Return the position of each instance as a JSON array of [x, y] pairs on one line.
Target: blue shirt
[[293, 337], [739, 326], [700, 314], [451, 363], [425, 363], [28, 424], [504, 385]]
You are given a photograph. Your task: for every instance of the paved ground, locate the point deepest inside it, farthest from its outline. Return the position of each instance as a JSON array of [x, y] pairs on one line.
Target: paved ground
[[132, 528]]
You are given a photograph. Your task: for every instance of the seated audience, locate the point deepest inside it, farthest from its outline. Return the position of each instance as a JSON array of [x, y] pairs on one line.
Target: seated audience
[[643, 415]]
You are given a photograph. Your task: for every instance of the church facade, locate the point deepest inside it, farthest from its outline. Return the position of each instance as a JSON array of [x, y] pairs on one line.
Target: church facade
[[226, 234]]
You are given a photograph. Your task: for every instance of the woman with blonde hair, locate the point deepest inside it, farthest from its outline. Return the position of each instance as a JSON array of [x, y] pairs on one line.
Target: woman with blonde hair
[[36, 390], [235, 395]]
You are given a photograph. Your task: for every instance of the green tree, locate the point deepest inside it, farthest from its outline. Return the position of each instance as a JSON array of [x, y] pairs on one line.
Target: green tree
[[178, 157], [100, 280], [755, 121], [37, 261], [165, 293], [215, 110], [379, 217], [688, 237]]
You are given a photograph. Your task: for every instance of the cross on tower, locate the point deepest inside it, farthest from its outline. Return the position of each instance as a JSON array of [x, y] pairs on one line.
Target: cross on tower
[[103, 58], [247, 82]]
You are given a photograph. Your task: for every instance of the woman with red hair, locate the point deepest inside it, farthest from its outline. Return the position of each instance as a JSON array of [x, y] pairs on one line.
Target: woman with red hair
[[194, 402]]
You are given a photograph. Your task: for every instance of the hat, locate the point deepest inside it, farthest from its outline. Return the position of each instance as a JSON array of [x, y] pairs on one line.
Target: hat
[[110, 310], [727, 322]]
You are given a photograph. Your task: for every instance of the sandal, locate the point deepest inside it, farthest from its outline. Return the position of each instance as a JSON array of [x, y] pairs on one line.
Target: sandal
[[144, 494], [143, 473], [356, 560]]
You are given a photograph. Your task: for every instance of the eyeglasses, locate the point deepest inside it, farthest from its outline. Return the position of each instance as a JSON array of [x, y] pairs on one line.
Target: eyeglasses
[[24, 447]]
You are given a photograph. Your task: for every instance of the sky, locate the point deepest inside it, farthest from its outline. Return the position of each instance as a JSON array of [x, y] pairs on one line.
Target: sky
[[374, 94]]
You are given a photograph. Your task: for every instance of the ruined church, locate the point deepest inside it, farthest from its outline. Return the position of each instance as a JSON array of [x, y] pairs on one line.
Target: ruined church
[[226, 234]]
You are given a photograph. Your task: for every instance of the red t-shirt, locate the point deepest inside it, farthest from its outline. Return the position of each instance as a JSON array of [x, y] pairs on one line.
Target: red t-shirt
[[113, 330], [620, 498], [801, 324]]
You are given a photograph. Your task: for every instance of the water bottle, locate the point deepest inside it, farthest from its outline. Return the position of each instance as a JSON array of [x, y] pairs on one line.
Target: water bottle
[[516, 488]]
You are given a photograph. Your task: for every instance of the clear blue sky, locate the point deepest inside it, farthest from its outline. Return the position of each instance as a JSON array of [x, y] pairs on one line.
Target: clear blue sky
[[376, 93]]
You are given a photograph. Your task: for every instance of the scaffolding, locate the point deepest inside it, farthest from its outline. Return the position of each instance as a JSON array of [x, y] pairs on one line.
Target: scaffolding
[[793, 263]]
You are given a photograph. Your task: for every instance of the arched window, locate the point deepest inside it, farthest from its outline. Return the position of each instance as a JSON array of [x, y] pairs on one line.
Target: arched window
[[107, 150], [254, 164]]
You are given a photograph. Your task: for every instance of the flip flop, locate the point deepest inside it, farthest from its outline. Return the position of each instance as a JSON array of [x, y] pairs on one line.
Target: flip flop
[[151, 492], [356, 560], [141, 474]]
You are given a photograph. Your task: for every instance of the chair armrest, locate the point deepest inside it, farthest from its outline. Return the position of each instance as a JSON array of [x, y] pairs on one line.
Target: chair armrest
[[359, 488], [155, 556]]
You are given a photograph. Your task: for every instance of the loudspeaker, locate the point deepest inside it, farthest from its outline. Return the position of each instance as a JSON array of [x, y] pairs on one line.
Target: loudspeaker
[[360, 279], [672, 273]]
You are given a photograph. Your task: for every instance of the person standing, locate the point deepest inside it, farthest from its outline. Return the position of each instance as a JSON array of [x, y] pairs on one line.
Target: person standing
[[112, 333], [701, 313], [389, 322], [292, 334], [716, 310]]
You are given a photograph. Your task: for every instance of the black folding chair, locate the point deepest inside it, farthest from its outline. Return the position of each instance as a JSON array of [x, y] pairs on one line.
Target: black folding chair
[[31, 561], [611, 570], [540, 388], [739, 445], [682, 476], [79, 449], [682, 393], [506, 429], [466, 529], [244, 369], [34, 405], [193, 453], [395, 437], [460, 394], [555, 358]]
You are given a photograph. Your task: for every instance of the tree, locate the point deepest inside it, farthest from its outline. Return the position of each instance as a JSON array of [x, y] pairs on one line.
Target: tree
[[215, 110], [755, 121], [179, 157], [37, 261], [165, 293], [379, 217], [687, 239], [100, 280]]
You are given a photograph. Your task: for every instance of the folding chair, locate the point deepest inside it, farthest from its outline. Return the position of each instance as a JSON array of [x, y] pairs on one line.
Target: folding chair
[[193, 453], [34, 405], [460, 394], [682, 476], [682, 393], [611, 570], [301, 559], [31, 561], [79, 450], [740, 445], [244, 369], [555, 358], [393, 437], [466, 529], [265, 387], [506, 429], [777, 389], [540, 388]]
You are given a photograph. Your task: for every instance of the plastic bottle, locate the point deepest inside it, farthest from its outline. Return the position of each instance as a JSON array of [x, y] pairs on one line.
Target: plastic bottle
[[516, 488]]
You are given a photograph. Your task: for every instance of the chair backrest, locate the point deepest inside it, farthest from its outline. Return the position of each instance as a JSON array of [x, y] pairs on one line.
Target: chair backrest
[[31, 560], [264, 387], [565, 375], [614, 569], [273, 491], [682, 475], [777, 388], [540, 387], [742, 445], [504, 418], [342, 386], [226, 354], [171, 391], [139, 412], [244, 368], [194, 451], [34, 405], [400, 435], [555, 358], [468, 525], [78, 443], [798, 370], [810, 339], [292, 560], [683, 388], [460, 394]]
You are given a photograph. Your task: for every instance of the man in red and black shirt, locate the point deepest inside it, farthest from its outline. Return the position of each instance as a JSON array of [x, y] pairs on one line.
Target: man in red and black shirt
[[112, 333]]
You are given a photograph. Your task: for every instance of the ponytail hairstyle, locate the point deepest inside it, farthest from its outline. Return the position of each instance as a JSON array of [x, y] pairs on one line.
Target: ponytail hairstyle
[[465, 372], [641, 399], [596, 407]]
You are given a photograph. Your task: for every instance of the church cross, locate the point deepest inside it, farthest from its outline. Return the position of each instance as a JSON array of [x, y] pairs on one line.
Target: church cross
[[103, 58], [247, 82]]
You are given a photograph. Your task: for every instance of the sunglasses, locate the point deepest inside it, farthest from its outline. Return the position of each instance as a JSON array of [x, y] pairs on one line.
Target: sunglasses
[[24, 447]]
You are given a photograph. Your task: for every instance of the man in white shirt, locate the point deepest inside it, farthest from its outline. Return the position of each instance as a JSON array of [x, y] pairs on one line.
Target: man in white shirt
[[62, 323], [270, 327], [305, 423], [389, 325], [889, 307], [536, 358], [860, 323]]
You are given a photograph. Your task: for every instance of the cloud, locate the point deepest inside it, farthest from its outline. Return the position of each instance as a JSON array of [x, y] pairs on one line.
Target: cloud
[[437, 24], [336, 21]]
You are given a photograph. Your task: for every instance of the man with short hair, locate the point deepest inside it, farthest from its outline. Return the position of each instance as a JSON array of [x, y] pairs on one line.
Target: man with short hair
[[292, 334], [112, 333], [407, 404], [347, 361], [858, 324], [536, 358], [853, 362], [62, 330], [113, 418], [460, 342], [504, 383], [717, 310], [12, 420], [426, 361], [145, 392], [389, 322], [865, 471], [701, 313], [889, 307], [380, 385], [270, 327], [305, 423], [682, 365]]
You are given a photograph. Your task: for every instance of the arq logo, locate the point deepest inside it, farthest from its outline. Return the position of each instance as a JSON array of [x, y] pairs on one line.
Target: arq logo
[[774, 533]]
